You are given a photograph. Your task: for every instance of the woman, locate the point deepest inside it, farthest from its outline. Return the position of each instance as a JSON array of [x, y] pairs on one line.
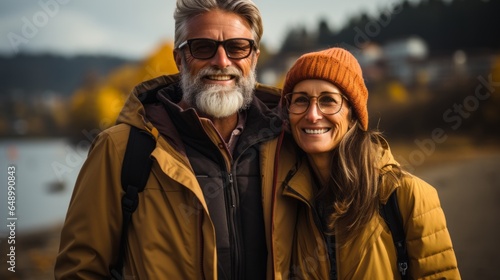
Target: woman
[[352, 174]]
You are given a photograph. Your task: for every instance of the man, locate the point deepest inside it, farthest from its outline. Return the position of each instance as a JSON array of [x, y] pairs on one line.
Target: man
[[203, 213]]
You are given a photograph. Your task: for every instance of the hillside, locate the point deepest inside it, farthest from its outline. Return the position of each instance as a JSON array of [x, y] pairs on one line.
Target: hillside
[[446, 26], [33, 73]]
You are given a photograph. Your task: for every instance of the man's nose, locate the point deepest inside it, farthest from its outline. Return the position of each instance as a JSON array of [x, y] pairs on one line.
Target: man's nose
[[220, 58]]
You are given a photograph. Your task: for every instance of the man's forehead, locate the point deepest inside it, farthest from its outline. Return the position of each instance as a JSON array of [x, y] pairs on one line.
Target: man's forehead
[[218, 25]]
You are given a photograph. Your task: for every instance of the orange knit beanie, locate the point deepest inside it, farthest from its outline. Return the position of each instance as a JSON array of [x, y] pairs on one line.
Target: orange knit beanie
[[339, 67]]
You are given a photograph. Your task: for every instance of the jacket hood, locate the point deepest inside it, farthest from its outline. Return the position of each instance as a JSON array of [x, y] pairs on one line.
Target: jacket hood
[[386, 159], [134, 111], [386, 163]]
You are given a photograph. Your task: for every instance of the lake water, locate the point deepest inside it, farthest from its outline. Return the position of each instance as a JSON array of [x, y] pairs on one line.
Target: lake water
[[45, 173]]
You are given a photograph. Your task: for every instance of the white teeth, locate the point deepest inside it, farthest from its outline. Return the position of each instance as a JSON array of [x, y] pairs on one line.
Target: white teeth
[[316, 131], [220, 77]]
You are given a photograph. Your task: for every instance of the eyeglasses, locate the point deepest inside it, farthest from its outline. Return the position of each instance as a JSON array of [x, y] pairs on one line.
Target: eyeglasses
[[328, 103], [202, 48]]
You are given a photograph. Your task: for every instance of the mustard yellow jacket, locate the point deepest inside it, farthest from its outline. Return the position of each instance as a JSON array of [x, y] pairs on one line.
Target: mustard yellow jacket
[[372, 255], [171, 234]]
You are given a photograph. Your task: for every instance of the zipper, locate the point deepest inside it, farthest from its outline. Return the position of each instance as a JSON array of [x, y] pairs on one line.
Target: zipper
[[230, 210], [232, 197], [233, 227]]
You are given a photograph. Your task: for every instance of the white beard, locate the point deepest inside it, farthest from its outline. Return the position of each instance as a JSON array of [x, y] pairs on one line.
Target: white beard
[[217, 101]]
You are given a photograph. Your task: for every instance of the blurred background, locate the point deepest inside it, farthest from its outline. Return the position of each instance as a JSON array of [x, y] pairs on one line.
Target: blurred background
[[432, 68]]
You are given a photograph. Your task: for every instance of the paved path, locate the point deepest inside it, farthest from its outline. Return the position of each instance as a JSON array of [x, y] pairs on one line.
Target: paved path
[[469, 190]]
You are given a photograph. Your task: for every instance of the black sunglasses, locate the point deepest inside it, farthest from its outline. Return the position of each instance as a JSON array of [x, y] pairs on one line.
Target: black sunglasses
[[236, 48]]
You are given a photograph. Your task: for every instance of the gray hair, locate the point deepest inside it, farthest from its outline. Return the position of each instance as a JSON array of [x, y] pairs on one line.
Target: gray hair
[[187, 9]]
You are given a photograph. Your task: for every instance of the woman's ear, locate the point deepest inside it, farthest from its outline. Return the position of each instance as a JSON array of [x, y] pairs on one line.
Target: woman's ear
[[352, 119]]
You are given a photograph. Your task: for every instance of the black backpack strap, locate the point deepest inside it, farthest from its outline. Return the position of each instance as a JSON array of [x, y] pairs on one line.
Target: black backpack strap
[[391, 214], [135, 173]]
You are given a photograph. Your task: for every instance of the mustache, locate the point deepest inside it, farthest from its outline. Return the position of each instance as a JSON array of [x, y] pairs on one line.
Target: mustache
[[230, 70]]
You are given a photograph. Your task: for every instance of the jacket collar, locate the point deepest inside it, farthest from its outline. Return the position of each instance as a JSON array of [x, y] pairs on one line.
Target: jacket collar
[[386, 162], [300, 183], [133, 111], [262, 123]]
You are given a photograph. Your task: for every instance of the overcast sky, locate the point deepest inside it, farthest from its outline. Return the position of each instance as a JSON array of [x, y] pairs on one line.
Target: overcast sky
[[133, 29]]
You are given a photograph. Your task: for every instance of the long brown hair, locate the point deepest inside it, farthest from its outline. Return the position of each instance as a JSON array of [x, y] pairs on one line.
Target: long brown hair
[[350, 199]]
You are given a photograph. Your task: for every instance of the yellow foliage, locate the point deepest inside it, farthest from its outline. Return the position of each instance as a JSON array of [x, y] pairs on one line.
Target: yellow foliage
[[280, 81], [83, 110], [78, 99], [161, 62], [109, 103], [59, 113], [490, 109], [98, 105], [495, 73], [397, 92], [122, 78]]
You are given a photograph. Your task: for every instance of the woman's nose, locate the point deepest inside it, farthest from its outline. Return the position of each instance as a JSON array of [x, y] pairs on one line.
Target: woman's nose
[[313, 113]]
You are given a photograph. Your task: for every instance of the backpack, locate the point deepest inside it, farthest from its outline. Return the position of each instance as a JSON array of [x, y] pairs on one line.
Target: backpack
[[392, 216], [135, 173]]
